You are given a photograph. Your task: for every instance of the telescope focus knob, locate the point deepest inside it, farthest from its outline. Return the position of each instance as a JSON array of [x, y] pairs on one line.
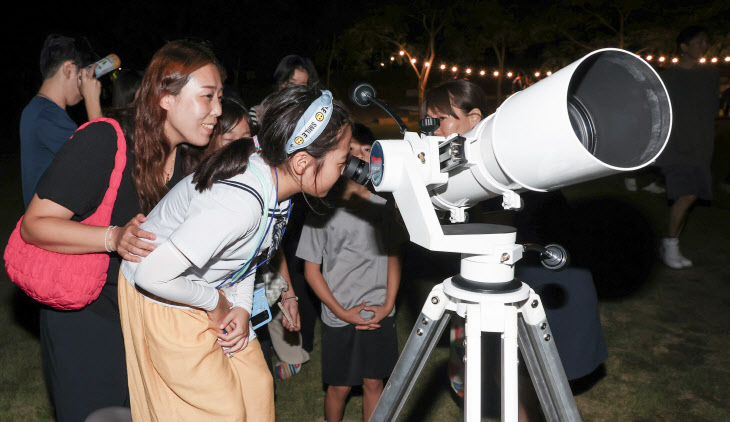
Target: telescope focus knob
[[429, 125]]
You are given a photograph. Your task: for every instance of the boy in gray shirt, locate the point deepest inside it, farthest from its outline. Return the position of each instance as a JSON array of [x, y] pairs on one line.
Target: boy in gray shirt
[[352, 263]]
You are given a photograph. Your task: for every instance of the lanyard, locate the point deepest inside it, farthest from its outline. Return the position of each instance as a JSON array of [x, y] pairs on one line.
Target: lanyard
[[241, 273]]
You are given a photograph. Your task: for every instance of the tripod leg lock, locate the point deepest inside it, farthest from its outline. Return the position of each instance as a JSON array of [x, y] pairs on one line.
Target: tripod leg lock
[[532, 310]]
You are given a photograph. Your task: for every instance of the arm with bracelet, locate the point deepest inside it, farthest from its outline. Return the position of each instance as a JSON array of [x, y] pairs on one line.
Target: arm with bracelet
[[288, 304]]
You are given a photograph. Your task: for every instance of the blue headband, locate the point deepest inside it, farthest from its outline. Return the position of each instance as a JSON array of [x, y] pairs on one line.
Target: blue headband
[[311, 124]]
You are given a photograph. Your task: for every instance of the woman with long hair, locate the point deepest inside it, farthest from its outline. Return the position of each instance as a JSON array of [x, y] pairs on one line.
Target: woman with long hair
[[177, 104]]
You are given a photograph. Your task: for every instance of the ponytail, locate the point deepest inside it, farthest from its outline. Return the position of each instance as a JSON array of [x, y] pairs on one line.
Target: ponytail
[[223, 163]]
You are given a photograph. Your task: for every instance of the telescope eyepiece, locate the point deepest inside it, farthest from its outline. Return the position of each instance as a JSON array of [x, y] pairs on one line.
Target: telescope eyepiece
[[429, 125], [357, 170]]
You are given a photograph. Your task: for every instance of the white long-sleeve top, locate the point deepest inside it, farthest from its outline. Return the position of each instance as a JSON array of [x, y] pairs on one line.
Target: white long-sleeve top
[[205, 237]]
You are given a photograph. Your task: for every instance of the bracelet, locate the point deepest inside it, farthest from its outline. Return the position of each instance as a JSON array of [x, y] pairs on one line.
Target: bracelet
[[106, 236], [108, 239], [111, 233], [290, 297]]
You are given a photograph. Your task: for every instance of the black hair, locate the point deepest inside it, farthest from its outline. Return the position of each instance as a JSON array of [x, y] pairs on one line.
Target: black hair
[[124, 86], [458, 93], [363, 134], [232, 113], [689, 33], [286, 67], [280, 114], [58, 49]]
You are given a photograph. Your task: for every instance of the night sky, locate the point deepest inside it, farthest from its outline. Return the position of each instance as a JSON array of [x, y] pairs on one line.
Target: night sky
[[251, 36]]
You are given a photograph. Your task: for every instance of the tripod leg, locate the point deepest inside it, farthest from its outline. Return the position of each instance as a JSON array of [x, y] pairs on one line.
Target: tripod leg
[[510, 364], [473, 370], [543, 362], [423, 338]]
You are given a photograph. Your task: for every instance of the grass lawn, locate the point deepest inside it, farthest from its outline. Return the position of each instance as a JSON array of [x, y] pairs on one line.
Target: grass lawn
[[667, 331]]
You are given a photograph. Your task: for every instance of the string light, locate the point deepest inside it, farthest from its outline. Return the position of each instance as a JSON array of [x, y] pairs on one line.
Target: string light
[[660, 59]]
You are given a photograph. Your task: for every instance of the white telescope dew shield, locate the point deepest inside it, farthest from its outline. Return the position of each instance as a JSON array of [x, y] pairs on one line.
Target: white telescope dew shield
[[605, 113]]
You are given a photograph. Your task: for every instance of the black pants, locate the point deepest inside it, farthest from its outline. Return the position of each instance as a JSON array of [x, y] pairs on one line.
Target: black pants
[[83, 362]]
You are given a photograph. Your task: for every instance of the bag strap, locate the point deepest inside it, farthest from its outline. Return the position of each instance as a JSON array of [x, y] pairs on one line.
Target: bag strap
[[260, 233], [120, 161]]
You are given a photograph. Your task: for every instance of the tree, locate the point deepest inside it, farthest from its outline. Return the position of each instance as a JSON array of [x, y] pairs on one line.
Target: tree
[[413, 28]]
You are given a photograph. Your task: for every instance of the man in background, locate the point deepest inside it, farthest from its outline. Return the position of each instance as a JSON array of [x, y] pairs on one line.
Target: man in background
[[693, 90], [45, 125]]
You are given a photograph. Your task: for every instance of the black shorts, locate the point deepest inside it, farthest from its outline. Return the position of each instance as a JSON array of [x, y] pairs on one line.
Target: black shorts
[[688, 180], [349, 355]]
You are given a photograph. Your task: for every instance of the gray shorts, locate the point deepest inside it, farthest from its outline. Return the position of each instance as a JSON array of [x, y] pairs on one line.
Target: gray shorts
[[688, 180]]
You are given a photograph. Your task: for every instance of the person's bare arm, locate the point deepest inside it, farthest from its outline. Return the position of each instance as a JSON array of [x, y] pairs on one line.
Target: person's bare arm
[[90, 89], [48, 225]]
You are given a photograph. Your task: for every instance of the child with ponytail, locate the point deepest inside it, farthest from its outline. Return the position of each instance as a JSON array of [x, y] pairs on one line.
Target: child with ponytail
[[191, 353]]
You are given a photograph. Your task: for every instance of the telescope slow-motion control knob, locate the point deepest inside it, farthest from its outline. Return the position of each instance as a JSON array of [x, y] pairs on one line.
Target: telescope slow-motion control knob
[[362, 94], [553, 257]]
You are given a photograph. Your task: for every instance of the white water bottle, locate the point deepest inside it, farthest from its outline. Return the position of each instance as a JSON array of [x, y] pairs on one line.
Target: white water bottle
[[106, 65]]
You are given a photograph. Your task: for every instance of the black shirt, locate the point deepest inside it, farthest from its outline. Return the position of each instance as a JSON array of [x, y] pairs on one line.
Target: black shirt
[[78, 179]]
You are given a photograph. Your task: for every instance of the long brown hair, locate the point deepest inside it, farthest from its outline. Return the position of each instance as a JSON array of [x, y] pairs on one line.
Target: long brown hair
[[168, 72]]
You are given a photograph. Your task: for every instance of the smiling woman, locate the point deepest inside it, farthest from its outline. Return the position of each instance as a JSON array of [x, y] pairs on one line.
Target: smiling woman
[[177, 104]]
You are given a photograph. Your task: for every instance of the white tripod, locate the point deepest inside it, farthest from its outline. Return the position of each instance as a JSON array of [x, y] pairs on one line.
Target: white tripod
[[491, 300]]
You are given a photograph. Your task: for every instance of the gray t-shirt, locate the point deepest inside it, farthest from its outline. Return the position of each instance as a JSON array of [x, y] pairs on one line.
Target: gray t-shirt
[[353, 248]]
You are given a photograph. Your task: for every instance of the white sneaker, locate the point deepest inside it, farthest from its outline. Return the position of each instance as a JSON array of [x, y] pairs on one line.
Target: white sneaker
[[670, 255], [653, 188], [630, 183]]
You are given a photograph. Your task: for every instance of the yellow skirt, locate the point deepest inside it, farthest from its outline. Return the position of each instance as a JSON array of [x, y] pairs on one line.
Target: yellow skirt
[[177, 371]]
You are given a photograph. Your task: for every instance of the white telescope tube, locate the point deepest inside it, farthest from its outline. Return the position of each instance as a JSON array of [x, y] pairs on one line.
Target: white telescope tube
[[605, 113]]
